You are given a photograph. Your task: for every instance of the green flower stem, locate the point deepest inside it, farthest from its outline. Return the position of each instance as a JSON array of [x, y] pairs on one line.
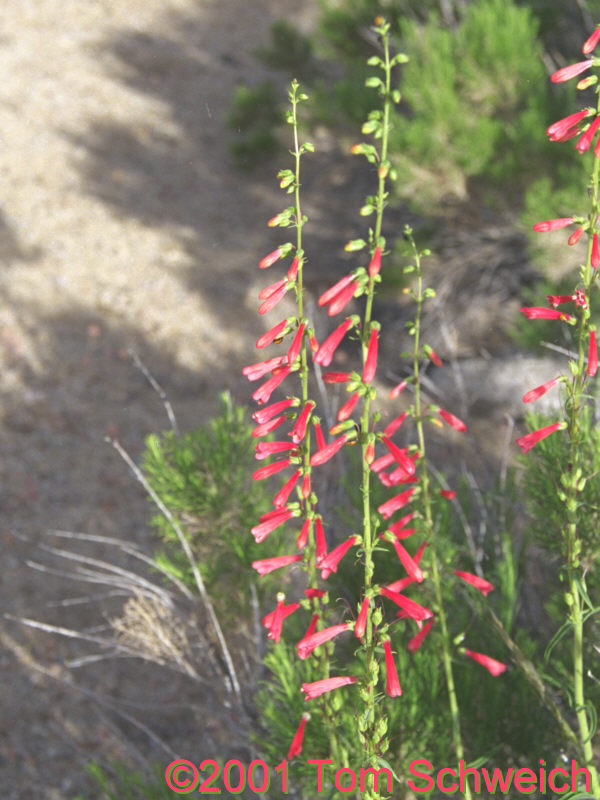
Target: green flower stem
[[323, 654], [570, 480], [371, 737], [429, 526]]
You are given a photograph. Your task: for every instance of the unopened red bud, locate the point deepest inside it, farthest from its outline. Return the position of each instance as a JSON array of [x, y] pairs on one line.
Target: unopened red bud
[[575, 237]]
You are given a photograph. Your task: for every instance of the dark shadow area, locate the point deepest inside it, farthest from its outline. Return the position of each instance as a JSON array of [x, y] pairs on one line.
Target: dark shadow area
[[83, 388], [11, 248]]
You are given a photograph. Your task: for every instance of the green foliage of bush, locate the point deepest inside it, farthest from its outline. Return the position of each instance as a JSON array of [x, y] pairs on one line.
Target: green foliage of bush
[[541, 490], [254, 118], [120, 782], [469, 95], [290, 51], [205, 479]]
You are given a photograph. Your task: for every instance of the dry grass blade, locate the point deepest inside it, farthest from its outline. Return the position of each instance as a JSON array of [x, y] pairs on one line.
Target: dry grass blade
[[185, 546]]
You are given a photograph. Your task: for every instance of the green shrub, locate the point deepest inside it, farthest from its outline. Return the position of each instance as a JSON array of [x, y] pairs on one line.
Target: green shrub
[[254, 118], [205, 479]]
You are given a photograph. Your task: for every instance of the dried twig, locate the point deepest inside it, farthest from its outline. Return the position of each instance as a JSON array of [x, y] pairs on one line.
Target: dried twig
[[157, 388]]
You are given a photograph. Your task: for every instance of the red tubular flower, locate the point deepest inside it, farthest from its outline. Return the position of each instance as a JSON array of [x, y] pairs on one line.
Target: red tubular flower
[[330, 294], [552, 224], [341, 300], [264, 392], [435, 358], [312, 626], [401, 533], [539, 312], [371, 359], [298, 432], [392, 684], [375, 265], [320, 437], [494, 667], [398, 527], [294, 350], [268, 523], [265, 293], [393, 426], [320, 542], [398, 389], [325, 352], [595, 257], [303, 535], [485, 587], [417, 640], [270, 259], [263, 414], [284, 493], [539, 391], [453, 421], [393, 504], [267, 427], [306, 486], [412, 609], [370, 453], [348, 407], [327, 452], [412, 568], [309, 643], [401, 475], [271, 301], [558, 129], [591, 42], [310, 593], [265, 565], [274, 620], [296, 745], [270, 336], [330, 562], [575, 236], [592, 365], [400, 586], [336, 377], [361, 621], [531, 439], [256, 371], [586, 139], [400, 456], [266, 449], [559, 299], [566, 73], [317, 688], [293, 270], [382, 462], [270, 469]]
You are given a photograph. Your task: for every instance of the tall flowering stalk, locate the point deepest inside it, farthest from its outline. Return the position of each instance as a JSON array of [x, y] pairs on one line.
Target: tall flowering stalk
[[403, 470], [420, 411], [584, 126]]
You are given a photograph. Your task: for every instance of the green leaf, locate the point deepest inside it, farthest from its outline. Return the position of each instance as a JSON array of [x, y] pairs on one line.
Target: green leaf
[[560, 634]]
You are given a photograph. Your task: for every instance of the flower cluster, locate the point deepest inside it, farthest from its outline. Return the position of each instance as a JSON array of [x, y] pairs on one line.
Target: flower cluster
[[583, 125], [301, 449]]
